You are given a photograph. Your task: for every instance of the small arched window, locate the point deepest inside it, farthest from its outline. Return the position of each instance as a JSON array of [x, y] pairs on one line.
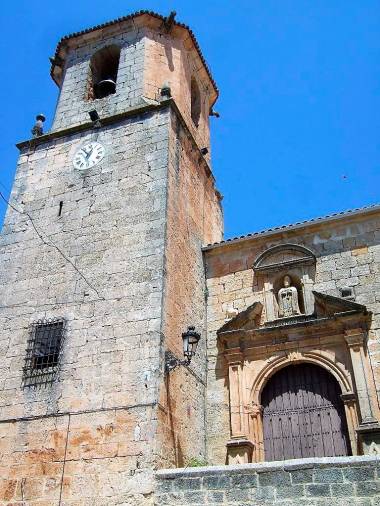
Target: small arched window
[[195, 102], [104, 66]]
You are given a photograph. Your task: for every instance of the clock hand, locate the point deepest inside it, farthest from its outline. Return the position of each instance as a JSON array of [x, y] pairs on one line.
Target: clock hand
[[88, 154], [87, 161]]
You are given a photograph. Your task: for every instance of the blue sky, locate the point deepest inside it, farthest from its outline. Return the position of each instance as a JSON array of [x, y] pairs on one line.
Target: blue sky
[[299, 82]]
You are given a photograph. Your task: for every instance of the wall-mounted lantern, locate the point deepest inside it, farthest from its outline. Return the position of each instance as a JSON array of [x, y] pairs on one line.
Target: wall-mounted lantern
[[190, 340]]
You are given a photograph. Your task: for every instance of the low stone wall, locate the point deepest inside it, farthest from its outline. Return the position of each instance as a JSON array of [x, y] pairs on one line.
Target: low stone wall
[[339, 481]]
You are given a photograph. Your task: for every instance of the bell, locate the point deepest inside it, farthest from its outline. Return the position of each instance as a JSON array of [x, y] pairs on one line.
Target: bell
[[105, 87]]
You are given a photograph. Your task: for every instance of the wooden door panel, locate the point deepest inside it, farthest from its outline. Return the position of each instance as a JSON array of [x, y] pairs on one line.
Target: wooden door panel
[[303, 414]]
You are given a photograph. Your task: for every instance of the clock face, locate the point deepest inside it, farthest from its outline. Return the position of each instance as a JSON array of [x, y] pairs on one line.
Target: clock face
[[88, 155]]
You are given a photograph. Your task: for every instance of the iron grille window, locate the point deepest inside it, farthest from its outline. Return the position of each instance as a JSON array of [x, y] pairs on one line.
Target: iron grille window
[[43, 352]]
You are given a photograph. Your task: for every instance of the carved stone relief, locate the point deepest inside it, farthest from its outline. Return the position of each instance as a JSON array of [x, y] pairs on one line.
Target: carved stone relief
[[336, 341], [288, 299], [286, 273]]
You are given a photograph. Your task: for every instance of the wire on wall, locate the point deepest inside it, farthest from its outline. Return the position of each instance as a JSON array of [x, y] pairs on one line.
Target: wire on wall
[[50, 242]]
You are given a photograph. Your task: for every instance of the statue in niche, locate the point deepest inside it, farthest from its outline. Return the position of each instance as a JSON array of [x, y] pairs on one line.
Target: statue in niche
[[288, 299]]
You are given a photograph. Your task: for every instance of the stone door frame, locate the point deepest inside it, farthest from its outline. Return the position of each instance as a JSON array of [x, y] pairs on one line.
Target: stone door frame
[[253, 357], [303, 414]]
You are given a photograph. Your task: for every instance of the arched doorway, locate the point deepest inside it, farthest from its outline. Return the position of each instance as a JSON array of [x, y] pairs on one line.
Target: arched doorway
[[303, 414]]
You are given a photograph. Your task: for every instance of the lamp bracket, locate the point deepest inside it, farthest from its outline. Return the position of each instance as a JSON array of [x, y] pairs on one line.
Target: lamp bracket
[[171, 361]]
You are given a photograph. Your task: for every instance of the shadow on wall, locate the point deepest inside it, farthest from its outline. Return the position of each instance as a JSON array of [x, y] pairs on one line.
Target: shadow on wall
[[176, 445]]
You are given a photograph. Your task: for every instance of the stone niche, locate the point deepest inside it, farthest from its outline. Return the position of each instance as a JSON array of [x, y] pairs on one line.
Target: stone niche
[[290, 263]]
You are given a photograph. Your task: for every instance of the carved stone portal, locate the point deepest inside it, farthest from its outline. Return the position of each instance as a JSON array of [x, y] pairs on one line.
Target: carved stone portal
[[332, 337]]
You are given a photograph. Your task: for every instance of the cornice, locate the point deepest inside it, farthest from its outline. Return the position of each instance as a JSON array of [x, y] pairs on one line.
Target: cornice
[[285, 231], [89, 125], [117, 118], [332, 328]]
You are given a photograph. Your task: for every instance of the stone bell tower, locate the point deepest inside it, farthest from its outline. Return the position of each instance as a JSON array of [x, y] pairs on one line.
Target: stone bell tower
[[102, 270]]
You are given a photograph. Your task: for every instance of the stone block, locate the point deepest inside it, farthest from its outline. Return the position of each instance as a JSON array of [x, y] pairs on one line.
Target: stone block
[[318, 490], [165, 486], [358, 474], [363, 502], [274, 478], [216, 482], [265, 493], [169, 499], [330, 475], [188, 484], [290, 492], [302, 476], [194, 498], [215, 497], [243, 480], [342, 490], [238, 495], [368, 489]]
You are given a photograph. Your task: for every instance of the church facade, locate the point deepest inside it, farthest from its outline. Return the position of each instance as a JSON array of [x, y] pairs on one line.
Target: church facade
[[112, 258], [268, 340]]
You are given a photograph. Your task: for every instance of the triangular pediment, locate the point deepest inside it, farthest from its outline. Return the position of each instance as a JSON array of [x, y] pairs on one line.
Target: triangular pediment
[[247, 319], [329, 305], [326, 307]]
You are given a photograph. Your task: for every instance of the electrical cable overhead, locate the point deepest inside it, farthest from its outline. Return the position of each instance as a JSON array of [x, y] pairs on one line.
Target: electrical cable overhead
[[50, 242], [5, 188]]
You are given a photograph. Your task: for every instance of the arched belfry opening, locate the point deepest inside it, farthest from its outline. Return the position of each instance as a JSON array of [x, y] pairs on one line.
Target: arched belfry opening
[[104, 67], [195, 102], [303, 414]]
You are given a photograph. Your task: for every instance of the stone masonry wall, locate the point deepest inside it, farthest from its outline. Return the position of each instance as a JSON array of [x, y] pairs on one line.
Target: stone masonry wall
[[73, 105], [100, 413], [348, 255], [149, 57], [94, 458], [193, 218], [340, 481], [171, 60], [112, 228]]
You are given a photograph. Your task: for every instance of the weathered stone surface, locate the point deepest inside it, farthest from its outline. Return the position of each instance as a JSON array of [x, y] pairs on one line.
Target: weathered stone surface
[[331, 492], [233, 286], [132, 228]]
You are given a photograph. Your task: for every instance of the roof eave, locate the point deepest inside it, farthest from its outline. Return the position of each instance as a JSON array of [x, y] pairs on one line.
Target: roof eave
[[56, 70], [372, 209]]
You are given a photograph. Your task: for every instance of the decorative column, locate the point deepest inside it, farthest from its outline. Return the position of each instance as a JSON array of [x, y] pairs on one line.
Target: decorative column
[[369, 427], [308, 297], [239, 447], [256, 414], [270, 309], [350, 406]]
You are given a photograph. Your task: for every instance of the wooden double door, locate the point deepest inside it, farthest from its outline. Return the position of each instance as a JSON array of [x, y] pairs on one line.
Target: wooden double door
[[303, 414]]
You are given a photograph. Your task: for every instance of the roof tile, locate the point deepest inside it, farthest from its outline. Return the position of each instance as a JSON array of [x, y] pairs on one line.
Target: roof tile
[[126, 18], [358, 210]]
